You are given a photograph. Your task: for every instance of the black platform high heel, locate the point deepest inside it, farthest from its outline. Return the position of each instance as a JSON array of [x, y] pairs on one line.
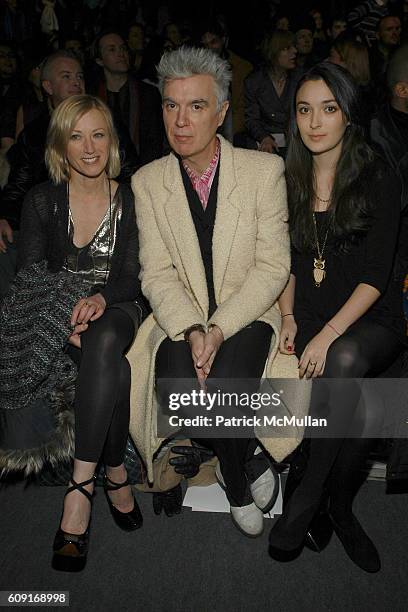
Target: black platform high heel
[[128, 521], [71, 550], [320, 529], [317, 537]]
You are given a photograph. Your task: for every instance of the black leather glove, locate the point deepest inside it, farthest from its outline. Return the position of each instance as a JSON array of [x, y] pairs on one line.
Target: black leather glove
[[169, 501], [190, 458]]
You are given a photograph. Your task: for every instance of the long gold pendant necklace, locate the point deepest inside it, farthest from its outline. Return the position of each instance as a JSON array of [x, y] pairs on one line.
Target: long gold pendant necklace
[[319, 271]]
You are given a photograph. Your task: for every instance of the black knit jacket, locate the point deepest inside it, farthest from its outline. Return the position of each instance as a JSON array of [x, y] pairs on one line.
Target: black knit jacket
[[43, 235]]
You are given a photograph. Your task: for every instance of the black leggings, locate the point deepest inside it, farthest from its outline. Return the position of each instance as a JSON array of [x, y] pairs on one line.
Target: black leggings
[[102, 398], [365, 349]]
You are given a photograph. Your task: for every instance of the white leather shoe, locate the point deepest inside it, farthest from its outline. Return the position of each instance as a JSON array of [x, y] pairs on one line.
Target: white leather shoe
[[263, 480], [248, 519]]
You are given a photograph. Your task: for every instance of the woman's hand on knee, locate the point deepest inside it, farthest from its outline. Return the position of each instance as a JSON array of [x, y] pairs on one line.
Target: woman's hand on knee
[[75, 337], [287, 335], [88, 309], [313, 358]]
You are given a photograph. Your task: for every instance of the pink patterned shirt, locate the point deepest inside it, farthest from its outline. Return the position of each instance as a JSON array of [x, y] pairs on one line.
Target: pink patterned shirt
[[202, 184]]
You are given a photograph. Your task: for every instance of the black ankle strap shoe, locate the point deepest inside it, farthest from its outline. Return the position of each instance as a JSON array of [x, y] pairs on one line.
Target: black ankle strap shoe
[[128, 521], [71, 550]]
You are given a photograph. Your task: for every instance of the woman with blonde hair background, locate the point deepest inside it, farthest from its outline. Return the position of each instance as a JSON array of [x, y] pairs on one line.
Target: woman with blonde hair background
[[353, 56], [268, 92]]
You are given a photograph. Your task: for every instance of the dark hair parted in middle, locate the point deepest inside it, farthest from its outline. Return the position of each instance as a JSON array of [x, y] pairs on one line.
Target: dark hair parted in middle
[[349, 208]]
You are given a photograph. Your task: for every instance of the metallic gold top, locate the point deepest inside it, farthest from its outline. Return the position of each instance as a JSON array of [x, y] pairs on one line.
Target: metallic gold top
[[93, 260]]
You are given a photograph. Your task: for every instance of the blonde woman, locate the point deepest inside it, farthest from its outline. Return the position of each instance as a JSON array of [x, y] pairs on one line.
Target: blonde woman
[[269, 91], [83, 221], [353, 56]]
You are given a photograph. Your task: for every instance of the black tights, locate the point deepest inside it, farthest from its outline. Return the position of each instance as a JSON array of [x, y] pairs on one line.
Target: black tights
[[103, 388], [366, 349]]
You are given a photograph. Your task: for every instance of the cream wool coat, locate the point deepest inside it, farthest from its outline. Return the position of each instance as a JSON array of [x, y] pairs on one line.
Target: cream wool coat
[[251, 264]]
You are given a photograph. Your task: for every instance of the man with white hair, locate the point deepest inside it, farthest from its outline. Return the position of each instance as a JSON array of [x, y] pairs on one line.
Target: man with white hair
[[214, 253]]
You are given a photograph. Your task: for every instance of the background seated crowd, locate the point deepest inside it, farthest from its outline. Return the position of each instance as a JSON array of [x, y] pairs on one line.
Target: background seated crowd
[[112, 52]]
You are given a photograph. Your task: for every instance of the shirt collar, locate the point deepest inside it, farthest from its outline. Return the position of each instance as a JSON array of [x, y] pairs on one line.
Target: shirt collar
[[209, 171]]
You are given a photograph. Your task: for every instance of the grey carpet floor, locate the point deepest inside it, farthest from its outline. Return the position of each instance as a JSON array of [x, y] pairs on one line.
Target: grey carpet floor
[[199, 562]]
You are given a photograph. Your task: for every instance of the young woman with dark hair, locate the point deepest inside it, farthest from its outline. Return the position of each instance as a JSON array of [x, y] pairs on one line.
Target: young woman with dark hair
[[341, 306]]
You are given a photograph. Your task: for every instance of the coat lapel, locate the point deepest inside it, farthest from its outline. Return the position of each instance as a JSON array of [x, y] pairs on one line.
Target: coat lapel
[[229, 206], [182, 227]]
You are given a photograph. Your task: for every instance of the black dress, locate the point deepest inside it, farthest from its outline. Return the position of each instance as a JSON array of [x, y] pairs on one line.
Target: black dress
[[369, 260]]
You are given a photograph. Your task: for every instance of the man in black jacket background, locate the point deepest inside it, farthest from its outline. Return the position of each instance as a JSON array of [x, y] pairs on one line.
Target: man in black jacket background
[[389, 136], [389, 127], [131, 101]]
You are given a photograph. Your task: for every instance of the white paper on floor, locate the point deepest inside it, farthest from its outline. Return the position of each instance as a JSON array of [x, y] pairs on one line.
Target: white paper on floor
[[213, 499]]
